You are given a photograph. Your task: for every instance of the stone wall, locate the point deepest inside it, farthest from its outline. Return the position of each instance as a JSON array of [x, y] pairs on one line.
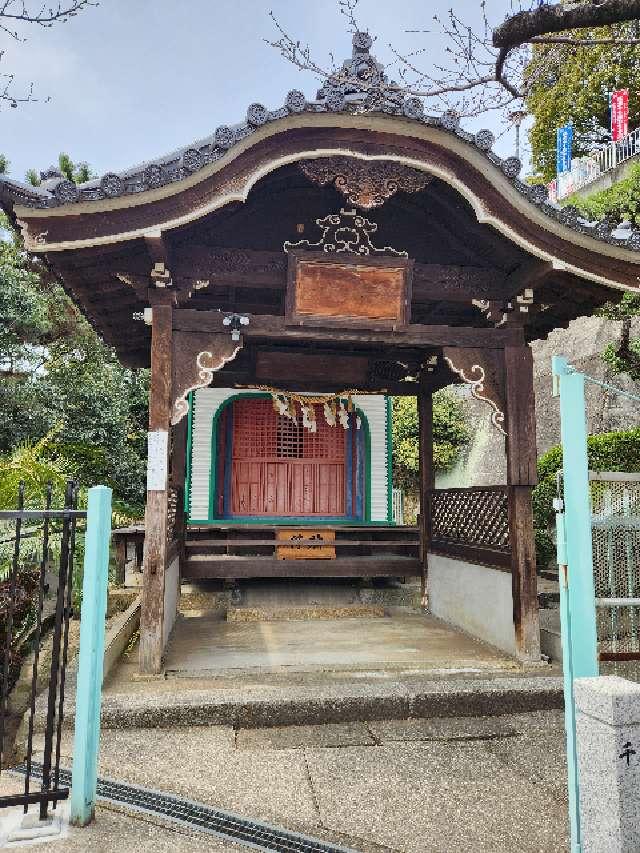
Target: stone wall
[[583, 343], [484, 461]]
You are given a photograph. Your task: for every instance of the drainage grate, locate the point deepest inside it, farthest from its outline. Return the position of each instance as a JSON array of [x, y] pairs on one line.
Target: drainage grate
[[195, 816]]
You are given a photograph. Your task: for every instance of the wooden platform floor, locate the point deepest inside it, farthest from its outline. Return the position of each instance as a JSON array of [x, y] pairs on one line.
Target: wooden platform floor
[[206, 645]]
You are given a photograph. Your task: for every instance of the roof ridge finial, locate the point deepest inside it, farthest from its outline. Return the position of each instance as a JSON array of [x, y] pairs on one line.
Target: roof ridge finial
[[361, 42], [360, 78]]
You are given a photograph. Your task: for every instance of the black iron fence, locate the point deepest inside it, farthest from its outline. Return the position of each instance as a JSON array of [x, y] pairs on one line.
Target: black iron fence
[[36, 604]]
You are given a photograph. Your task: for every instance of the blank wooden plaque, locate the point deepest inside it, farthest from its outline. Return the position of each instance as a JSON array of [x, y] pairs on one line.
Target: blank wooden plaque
[[367, 292]]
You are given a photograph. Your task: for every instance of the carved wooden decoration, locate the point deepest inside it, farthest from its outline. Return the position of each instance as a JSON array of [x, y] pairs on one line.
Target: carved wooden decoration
[[197, 357], [340, 291], [346, 232], [365, 183], [483, 371]]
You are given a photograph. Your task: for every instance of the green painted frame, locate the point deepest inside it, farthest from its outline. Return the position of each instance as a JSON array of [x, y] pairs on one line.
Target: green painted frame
[[213, 485], [187, 492], [389, 438]]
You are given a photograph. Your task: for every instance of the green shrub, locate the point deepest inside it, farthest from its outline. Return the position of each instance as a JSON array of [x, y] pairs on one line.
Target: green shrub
[[451, 433], [619, 202], [608, 451]]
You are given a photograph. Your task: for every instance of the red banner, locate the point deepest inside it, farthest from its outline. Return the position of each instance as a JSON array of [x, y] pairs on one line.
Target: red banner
[[619, 114]]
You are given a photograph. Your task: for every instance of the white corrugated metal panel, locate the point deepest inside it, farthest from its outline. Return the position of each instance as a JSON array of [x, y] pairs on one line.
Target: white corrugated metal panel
[[209, 400], [207, 403], [375, 410]]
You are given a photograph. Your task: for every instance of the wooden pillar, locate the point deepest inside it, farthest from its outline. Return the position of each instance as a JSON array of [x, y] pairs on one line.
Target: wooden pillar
[[521, 478], [155, 545], [427, 478], [120, 544]]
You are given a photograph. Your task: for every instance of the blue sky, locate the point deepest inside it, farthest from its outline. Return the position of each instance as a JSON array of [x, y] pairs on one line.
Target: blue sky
[[132, 79]]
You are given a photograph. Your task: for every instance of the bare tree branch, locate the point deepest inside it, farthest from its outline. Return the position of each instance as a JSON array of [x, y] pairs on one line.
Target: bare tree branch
[[19, 12], [486, 67], [523, 26], [14, 13], [531, 27], [580, 42]]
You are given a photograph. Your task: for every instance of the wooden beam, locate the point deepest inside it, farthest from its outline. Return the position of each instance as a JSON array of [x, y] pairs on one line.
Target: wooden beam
[[530, 273], [427, 476], [453, 283], [266, 327], [520, 404], [155, 545], [220, 265], [246, 268], [266, 567], [521, 477]]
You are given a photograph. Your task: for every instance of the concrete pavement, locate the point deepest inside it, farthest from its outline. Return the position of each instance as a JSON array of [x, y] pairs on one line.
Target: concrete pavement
[[488, 784]]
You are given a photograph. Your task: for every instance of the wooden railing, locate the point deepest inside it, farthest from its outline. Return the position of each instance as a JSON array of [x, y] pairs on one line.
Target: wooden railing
[[471, 523]]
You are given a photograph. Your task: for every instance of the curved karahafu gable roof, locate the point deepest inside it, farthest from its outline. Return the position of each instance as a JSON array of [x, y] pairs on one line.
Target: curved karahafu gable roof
[[193, 163]]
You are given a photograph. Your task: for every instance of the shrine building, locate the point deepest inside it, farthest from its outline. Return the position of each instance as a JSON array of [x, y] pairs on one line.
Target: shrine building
[[286, 276]]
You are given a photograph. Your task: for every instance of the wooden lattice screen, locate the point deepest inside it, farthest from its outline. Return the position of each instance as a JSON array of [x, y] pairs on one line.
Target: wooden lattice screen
[[281, 469], [472, 522]]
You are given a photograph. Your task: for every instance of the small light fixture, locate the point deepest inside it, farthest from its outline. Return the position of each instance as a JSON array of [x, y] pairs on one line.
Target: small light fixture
[[235, 321]]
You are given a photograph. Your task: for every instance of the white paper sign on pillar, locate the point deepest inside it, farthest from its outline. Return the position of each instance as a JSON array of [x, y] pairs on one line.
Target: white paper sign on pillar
[[157, 460]]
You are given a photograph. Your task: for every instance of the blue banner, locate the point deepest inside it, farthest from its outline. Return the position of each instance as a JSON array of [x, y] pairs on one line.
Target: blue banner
[[564, 145]]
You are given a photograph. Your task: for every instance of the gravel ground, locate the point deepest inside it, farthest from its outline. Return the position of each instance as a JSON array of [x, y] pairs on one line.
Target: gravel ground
[[494, 784]]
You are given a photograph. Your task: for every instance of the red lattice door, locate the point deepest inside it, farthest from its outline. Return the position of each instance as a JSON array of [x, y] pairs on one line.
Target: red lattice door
[[279, 468]]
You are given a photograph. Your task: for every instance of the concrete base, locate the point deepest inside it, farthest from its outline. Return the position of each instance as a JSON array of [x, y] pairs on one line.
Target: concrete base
[[550, 636], [476, 598], [20, 830], [34, 829], [206, 645]]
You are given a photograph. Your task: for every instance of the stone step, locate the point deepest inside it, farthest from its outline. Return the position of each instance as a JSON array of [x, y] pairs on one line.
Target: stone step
[[550, 635], [549, 600], [319, 703], [548, 593], [303, 614], [549, 574]]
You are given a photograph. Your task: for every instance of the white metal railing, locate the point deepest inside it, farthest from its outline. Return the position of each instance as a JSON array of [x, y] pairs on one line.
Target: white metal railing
[[586, 170], [398, 506]]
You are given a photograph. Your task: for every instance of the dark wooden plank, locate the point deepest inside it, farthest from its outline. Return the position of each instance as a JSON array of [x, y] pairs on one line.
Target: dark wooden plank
[[350, 543], [472, 554], [266, 567], [385, 530], [619, 656], [267, 327], [276, 366], [464, 490]]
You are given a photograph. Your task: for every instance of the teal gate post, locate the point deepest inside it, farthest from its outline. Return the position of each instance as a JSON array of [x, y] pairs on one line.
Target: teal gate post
[[575, 560], [89, 689]]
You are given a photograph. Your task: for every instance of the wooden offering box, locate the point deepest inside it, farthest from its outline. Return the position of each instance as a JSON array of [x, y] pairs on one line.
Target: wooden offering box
[[306, 544]]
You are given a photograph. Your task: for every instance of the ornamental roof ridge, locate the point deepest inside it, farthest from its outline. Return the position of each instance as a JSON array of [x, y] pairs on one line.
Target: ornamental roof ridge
[[339, 94]]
